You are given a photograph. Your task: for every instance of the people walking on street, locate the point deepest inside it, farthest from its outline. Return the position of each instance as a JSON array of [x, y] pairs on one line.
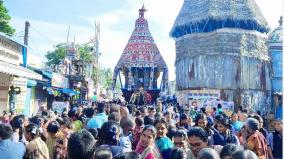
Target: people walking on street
[[36, 148], [254, 140], [146, 146], [8, 148]]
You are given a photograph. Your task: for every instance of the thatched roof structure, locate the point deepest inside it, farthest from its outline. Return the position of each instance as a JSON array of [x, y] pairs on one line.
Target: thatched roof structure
[[224, 42], [221, 45], [209, 15]]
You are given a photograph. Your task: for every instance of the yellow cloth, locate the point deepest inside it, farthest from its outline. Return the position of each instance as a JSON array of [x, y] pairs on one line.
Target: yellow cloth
[[77, 125], [50, 143]]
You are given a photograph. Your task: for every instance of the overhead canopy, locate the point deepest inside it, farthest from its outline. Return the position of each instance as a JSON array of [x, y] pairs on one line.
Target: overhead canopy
[[32, 83], [69, 92], [19, 71], [47, 74]]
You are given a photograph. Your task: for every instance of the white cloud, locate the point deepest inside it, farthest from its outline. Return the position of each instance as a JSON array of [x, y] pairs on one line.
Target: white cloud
[[44, 35], [117, 26], [271, 10]]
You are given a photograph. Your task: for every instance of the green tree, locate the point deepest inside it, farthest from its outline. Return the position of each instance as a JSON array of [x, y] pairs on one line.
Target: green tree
[[85, 53], [104, 77], [106, 80], [95, 76], [54, 57], [117, 85], [4, 20]]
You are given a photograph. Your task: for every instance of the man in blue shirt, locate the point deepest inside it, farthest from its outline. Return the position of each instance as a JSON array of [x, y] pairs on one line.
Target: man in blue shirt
[[8, 148], [98, 120]]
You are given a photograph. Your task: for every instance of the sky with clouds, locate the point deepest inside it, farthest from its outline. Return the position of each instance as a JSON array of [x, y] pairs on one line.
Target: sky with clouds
[[49, 20]]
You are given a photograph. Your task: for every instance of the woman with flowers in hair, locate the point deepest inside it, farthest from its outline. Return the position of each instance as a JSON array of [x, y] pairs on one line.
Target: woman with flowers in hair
[[146, 146], [36, 148], [109, 138]]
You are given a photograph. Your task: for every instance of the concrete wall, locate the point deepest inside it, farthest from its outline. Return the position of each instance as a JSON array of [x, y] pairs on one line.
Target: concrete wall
[[4, 89]]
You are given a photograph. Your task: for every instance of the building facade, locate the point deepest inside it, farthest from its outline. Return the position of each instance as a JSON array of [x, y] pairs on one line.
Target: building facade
[[13, 72]]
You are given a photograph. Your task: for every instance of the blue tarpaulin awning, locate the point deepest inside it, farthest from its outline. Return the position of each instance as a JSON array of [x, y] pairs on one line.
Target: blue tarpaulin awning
[[69, 92], [32, 83], [47, 74]]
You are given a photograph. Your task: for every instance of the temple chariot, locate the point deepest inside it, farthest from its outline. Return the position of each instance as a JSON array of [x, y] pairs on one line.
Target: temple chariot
[[142, 66]]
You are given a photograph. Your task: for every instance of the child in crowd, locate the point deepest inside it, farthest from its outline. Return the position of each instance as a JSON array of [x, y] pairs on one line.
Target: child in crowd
[[139, 124], [163, 143], [224, 134]]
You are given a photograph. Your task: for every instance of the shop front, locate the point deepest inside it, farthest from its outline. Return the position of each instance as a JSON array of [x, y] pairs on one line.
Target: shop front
[[14, 74], [60, 95]]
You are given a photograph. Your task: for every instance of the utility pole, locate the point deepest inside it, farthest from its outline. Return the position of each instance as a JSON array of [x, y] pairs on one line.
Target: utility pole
[[26, 37], [95, 40], [68, 34], [26, 42], [96, 43]]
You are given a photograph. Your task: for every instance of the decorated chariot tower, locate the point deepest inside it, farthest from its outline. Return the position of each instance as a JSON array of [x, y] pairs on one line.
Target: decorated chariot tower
[[141, 63]]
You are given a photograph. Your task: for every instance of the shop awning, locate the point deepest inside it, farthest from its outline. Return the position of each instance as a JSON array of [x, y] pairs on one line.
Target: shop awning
[[19, 71], [47, 74], [32, 83], [69, 92]]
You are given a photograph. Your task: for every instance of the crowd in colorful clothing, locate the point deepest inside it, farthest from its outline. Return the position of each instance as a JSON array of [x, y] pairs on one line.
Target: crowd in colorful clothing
[[106, 130]]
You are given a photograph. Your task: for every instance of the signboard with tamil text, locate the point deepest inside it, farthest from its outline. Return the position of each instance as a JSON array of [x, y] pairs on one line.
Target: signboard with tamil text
[[59, 106], [10, 51], [58, 80]]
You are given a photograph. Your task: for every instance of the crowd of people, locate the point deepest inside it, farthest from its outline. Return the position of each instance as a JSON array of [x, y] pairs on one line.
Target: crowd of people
[[106, 130]]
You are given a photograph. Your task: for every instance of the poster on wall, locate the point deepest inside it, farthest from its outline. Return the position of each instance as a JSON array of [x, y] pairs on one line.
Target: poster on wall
[[203, 94], [58, 80], [59, 106], [209, 99], [203, 98], [209, 104], [20, 98]]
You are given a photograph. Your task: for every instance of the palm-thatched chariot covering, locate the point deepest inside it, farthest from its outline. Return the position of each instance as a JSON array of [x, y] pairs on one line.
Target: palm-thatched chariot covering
[[141, 62], [221, 47]]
